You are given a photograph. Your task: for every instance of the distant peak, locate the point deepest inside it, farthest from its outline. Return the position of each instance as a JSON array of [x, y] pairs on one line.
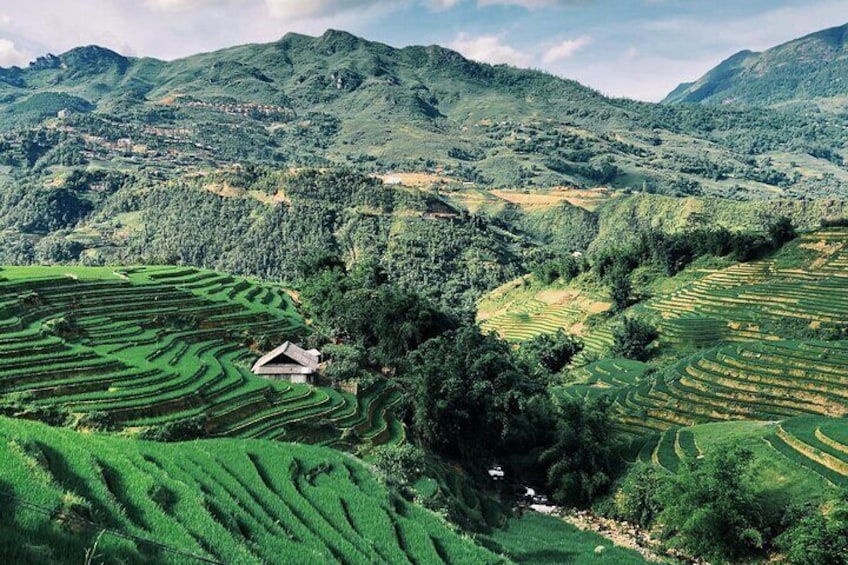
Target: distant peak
[[340, 40], [335, 34], [92, 52]]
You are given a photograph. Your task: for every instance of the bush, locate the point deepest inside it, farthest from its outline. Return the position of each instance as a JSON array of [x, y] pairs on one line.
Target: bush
[[181, 430], [632, 338], [781, 231], [398, 465], [817, 537], [637, 499], [548, 354], [710, 507], [620, 290]]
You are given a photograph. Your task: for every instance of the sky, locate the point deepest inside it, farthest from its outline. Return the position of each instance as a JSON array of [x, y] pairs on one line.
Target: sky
[[638, 49]]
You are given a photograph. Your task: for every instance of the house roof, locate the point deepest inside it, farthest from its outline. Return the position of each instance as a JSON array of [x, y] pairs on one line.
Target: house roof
[[289, 353]]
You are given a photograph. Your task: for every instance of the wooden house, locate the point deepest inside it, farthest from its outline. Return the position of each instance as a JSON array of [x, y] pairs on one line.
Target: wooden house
[[288, 362]]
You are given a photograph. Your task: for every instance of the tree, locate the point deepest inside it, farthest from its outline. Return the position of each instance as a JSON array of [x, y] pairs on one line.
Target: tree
[[818, 537], [548, 354], [582, 461], [620, 289], [710, 506], [399, 465], [638, 498], [468, 395], [632, 338], [781, 231]]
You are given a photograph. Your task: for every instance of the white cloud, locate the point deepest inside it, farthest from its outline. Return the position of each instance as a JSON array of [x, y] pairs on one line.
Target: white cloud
[[5, 19], [440, 5], [306, 9], [565, 50], [490, 49], [529, 4], [10, 55], [184, 5]]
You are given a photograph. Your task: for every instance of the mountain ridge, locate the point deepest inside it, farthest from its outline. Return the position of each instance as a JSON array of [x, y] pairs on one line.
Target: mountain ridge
[[338, 99], [799, 70]]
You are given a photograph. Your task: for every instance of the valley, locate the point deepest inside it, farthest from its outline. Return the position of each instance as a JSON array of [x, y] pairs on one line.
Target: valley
[[326, 300]]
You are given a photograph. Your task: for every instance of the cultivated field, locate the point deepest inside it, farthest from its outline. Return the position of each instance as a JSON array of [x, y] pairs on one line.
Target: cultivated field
[[805, 455], [752, 341], [162, 345], [214, 501]]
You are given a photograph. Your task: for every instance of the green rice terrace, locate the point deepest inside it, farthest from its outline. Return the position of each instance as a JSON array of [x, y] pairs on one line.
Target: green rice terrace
[[745, 342], [165, 353], [806, 455], [153, 346], [212, 501], [759, 341]]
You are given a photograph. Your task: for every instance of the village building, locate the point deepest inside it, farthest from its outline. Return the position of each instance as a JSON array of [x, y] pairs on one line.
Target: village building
[[288, 362]]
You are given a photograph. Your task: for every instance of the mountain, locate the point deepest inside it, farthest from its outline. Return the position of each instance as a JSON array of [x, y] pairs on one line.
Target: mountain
[[341, 100], [813, 68]]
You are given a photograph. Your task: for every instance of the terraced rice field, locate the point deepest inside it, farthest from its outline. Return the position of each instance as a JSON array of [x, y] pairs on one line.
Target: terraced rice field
[[817, 444], [734, 304], [521, 310], [532, 318], [807, 455], [745, 320], [605, 376], [154, 345], [751, 381], [216, 501]]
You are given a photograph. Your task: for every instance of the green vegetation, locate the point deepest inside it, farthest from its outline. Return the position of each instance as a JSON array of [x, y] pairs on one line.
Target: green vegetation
[[330, 102], [730, 493], [166, 352], [792, 76], [536, 539], [224, 501], [626, 315], [632, 338], [759, 345], [710, 506]]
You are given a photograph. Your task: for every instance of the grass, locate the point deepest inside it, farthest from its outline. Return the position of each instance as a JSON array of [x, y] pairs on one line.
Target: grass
[[536, 539], [225, 501]]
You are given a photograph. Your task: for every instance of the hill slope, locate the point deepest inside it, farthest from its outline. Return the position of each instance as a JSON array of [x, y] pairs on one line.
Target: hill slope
[[214, 501], [809, 69], [762, 340], [166, 352]]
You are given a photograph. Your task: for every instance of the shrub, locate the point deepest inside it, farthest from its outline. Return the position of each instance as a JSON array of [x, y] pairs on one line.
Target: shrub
[[550, 353], [632, 338], [637, 499], [817, 537], [710, 507], [398, 465], [181, 430]]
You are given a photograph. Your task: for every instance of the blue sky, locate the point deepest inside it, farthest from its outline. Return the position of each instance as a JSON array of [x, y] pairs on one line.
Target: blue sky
[[634, 48]]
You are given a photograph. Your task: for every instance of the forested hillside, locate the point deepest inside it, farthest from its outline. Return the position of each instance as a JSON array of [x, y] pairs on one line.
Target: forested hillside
[[341, 100], [806, 73]]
